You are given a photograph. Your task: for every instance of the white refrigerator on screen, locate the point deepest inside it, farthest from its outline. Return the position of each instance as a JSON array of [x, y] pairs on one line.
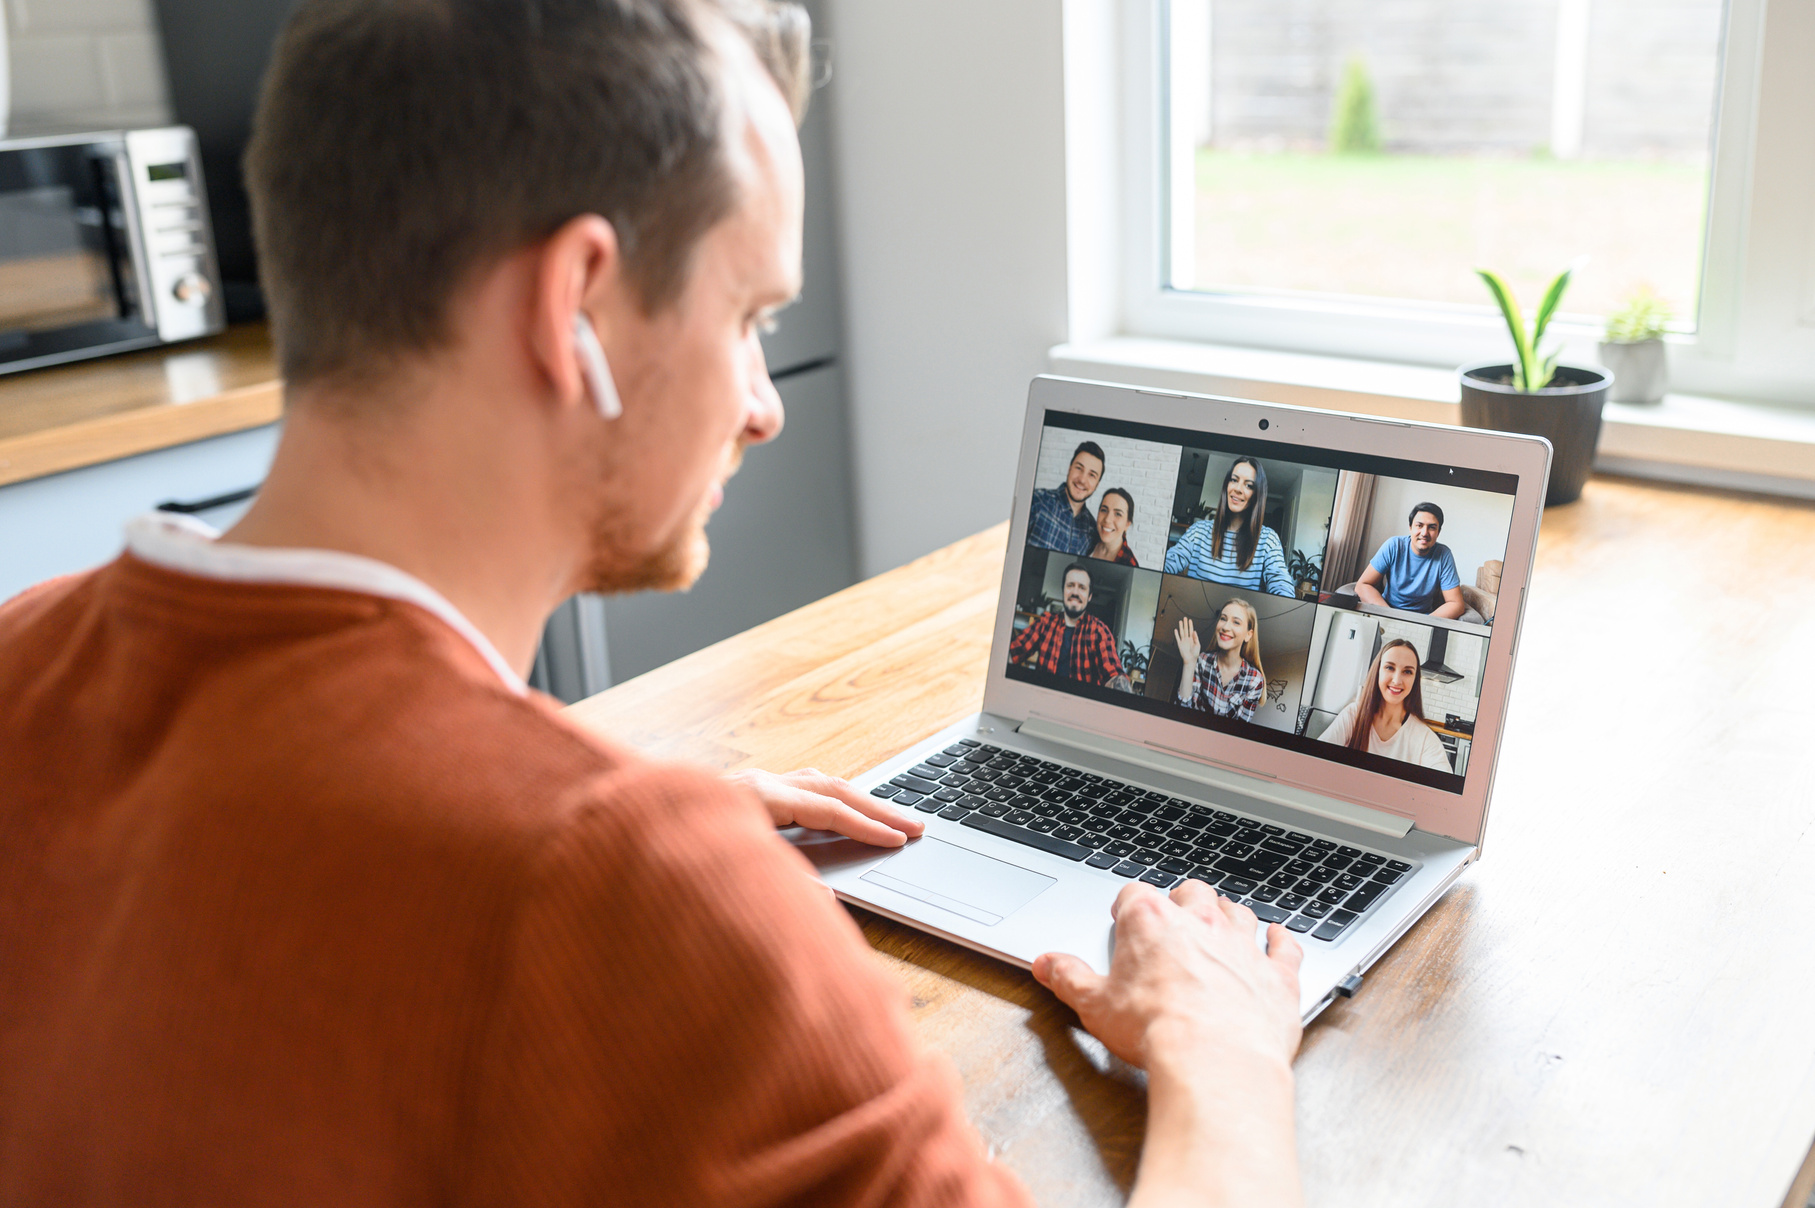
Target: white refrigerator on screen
[[1348, 648]]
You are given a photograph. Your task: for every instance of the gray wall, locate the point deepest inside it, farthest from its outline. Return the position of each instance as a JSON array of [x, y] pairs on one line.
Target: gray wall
[[1455, 75], [949, 155]]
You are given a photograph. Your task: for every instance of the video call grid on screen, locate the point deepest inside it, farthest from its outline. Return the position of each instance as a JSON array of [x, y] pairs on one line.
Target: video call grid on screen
[[1364, 570]]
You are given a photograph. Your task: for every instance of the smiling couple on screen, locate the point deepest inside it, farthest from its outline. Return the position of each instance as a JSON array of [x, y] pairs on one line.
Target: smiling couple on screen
[[1060, 520]]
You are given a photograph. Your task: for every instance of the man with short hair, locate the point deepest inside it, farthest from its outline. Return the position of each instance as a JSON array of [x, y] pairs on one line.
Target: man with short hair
[[304, 898], [1059, 520], [1415, 572], [1071, 643]]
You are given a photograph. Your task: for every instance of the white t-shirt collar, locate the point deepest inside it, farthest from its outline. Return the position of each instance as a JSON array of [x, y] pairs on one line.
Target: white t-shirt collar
[[187, 545]]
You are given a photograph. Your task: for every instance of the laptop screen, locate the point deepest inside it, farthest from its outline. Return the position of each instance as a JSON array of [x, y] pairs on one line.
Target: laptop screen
[[1332, 603]]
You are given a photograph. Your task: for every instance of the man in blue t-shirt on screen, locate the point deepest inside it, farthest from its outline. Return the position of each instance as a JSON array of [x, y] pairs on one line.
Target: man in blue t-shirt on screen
[[1415, 572]]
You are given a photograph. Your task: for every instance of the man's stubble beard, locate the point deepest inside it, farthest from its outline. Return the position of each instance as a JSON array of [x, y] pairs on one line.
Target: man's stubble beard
[[617, 567], [674, 567]]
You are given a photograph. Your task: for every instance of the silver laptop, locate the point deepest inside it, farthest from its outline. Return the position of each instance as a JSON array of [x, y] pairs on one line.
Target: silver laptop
[[1262, 646]]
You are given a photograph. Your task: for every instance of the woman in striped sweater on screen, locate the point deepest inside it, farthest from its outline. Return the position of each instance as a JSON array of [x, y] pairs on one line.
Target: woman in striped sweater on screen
[[1235, 547]]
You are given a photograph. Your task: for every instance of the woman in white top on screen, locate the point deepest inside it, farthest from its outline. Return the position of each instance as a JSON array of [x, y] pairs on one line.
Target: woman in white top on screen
[[1235, 547], [1388, 717]]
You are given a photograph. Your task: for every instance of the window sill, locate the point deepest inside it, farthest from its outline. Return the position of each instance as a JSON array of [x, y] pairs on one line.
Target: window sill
[[1685, 438]]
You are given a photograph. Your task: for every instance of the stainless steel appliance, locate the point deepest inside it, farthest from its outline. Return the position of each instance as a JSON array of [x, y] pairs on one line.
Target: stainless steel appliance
[[105, 246]]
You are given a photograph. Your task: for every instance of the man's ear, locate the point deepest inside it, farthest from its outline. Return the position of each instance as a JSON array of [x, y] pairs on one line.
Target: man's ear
[[579, 271]]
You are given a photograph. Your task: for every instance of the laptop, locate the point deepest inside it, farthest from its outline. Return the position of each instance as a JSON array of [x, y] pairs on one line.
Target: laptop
[[1263, 646]]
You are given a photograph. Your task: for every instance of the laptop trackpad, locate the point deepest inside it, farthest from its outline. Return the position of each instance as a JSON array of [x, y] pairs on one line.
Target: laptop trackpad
[[978, 887]]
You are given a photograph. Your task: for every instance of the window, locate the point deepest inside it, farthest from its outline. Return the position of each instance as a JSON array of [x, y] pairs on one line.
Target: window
[[1350, 148], [1325, 175]]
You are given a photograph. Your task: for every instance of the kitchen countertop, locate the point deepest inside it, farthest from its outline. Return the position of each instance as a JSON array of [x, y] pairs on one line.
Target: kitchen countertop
[[96, 411]]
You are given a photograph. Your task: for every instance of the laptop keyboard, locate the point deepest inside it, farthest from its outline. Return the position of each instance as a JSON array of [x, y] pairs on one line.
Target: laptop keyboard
[[1311, 885]]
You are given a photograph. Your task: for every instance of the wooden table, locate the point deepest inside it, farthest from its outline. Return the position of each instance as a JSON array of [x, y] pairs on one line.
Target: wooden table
[[1613, 1007]]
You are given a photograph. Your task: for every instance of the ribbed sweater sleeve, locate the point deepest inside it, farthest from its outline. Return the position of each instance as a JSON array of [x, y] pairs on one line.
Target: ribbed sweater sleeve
[[685, 1016]]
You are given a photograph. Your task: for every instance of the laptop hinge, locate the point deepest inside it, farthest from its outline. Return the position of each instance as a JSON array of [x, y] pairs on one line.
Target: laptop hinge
[[1247, 783]]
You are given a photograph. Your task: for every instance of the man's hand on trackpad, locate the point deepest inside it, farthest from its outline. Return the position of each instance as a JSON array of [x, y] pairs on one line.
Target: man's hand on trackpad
[[1214, 1021], [813, 799]]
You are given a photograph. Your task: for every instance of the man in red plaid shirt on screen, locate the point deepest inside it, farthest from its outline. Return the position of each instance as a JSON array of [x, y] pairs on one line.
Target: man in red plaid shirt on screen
[[1073, 643]]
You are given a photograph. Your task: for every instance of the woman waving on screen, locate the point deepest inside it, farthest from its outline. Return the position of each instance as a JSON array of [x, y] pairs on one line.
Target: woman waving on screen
[[1387, 718], [1235, 547], [1226, 680]]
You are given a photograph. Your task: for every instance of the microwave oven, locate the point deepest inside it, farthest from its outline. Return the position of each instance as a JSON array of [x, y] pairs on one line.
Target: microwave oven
[[105, 246]]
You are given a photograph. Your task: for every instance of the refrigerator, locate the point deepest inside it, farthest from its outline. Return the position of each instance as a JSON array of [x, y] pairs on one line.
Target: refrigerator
[[1338, 667]]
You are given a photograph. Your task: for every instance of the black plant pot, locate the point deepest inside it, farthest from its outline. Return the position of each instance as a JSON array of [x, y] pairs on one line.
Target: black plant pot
[[1567, 414]]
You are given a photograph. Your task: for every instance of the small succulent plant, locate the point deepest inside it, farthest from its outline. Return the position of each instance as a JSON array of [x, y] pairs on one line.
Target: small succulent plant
[[1643, 316]]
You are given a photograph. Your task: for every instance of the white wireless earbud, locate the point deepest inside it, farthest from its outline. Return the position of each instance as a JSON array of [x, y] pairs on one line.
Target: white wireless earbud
[[595, 370]]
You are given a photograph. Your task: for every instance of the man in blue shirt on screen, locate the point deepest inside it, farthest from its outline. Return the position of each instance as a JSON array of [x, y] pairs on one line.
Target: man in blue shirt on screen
[[1416, 572], [1059, 519]]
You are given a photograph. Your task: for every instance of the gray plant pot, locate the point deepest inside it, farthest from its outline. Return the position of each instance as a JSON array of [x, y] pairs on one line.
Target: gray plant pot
[[1640, 372], [1568, 415]]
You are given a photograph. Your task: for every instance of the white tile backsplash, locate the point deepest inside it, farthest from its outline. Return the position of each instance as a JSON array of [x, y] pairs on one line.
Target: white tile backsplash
[[132, 69], [1464, 655], [84, 64], [81, 16], [55, 73]]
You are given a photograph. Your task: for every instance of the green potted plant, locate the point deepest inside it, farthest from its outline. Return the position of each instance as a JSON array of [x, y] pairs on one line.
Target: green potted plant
[[1535, 395], [1634, 348], [1306, 571], [1135, 661]]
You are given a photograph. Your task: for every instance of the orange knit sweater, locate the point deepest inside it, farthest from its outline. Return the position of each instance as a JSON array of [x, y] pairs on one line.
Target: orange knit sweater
[[300, 905]]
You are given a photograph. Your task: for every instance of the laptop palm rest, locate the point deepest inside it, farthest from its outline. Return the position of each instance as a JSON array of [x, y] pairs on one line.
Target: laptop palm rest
[[977, 887]]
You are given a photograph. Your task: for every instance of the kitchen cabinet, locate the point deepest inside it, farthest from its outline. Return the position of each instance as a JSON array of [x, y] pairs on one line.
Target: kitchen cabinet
[[71, 521]]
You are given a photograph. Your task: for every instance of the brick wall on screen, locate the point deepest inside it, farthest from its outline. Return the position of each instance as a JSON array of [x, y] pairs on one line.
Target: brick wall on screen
[[84, 65], [1145, 470]]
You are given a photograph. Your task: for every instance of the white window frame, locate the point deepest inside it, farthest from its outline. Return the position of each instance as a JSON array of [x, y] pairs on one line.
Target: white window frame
[[1755, 331]]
